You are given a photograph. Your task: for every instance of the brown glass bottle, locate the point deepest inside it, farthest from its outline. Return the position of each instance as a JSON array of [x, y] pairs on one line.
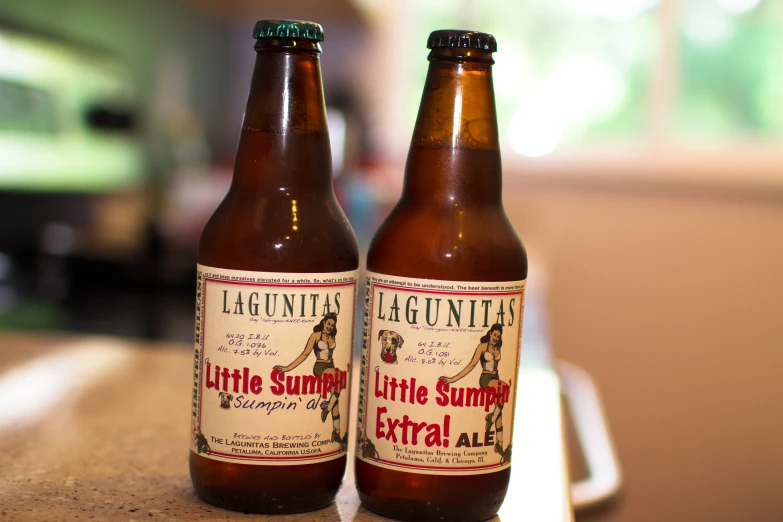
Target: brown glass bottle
[[280, 215], [448, 225]]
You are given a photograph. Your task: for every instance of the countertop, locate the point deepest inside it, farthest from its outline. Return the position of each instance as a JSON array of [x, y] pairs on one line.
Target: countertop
[[97, 428]]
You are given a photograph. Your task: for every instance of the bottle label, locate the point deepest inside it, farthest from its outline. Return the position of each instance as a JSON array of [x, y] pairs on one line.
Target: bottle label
[[271, 372], [439, 368]]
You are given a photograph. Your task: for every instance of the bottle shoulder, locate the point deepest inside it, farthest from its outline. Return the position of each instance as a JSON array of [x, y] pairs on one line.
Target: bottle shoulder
[[273, 234], [449, 243]]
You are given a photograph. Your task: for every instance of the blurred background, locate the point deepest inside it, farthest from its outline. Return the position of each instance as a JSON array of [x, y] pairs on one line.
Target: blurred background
[[643, 167]]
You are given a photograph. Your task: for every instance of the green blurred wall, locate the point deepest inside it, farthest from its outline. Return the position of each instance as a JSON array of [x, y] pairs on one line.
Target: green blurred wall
[[138, 32]]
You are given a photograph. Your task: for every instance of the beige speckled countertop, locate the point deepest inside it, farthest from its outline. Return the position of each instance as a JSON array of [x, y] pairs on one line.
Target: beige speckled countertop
[[97, 428]]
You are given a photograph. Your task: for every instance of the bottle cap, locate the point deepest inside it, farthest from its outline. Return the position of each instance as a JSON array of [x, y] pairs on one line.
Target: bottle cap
[[288, 29], [458, 38]]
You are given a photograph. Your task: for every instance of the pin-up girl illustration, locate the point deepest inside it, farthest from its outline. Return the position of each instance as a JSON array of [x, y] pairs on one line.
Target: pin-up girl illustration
[[322, 342], [489, 354]]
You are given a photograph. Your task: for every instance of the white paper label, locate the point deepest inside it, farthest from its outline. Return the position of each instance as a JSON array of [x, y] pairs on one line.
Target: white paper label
[[273, 354], [439, 368]]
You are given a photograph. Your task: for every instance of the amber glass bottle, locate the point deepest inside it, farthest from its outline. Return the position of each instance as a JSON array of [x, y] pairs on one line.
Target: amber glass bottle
[[276, 283], [445, 299]]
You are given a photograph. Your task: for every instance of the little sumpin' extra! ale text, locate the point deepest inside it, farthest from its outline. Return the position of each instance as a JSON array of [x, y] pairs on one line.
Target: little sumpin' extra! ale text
[[276, 299], [444, 302]]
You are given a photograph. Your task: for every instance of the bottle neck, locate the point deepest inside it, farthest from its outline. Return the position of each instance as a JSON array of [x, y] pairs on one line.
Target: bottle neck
[[284, 142], [455, 156]]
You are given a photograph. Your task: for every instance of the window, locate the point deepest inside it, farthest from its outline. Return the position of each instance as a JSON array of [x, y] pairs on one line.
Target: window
[[731, 70], [586, 74]]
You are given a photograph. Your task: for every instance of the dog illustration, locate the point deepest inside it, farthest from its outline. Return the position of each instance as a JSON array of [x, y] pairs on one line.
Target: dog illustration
[[390, 343], [225, 400]]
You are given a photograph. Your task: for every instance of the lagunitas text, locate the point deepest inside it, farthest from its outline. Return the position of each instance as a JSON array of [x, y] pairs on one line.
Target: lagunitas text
[[254, 303], [449, 312]]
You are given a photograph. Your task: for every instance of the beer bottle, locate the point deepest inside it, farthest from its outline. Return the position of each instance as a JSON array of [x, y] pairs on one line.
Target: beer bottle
[[276, 299], [444, 303]]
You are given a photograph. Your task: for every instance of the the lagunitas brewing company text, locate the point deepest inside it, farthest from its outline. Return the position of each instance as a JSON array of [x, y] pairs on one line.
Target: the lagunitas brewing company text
[[272, 365], [439, 369]]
